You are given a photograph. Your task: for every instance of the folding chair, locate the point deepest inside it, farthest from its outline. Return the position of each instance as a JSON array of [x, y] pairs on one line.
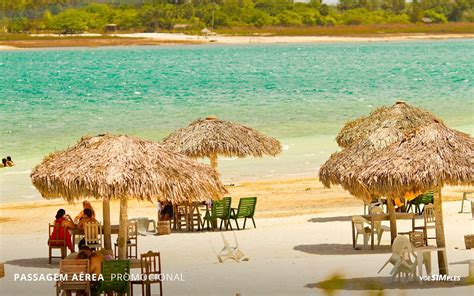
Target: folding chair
[[229, 252]]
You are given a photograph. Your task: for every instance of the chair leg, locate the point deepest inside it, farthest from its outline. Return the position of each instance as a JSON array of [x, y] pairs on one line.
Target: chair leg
[[220, 227], [245, 221], [237, 223], [253, 221], [228, 225], [379, 237], [49, 255], [161, 289], [366, 240]]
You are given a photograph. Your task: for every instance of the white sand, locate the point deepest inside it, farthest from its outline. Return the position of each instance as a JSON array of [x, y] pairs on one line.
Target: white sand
[[287, 257], [222, 39], [5, 47]]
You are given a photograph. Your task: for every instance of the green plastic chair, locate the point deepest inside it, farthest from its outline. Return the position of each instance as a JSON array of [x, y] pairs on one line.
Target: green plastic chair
[[245, 210], [220, 210], [115, 284], [422, 199]]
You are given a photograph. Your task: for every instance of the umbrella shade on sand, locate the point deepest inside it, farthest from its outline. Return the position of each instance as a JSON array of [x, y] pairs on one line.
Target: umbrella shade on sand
[[426, 159], [122, 167], [211, 137], [400, 116]]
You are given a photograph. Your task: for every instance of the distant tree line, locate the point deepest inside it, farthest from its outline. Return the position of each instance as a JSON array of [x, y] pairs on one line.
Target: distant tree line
[[73, 16]]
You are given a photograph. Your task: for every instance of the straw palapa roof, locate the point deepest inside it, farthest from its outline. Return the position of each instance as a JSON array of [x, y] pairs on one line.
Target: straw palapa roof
[[400, 116], [116, 166], [204, 137], [340, 168], [429, 157]]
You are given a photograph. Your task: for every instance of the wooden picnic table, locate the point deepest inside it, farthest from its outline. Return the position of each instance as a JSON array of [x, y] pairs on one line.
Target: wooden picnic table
[[382, 217], [114, 229]]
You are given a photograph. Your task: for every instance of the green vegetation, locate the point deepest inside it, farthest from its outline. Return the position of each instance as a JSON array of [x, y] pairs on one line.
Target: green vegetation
[[75, 16]]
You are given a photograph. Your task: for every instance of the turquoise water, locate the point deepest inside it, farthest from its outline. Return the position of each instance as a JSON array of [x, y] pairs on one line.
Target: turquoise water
[[299, 93]]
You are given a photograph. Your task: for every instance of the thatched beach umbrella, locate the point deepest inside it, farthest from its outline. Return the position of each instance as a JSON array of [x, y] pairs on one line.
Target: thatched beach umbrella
[[122, 167], [401, 116], [426, 159], [363, 137], [211, 137]]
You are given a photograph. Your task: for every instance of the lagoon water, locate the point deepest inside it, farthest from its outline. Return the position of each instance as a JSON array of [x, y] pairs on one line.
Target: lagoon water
[[299, 93]]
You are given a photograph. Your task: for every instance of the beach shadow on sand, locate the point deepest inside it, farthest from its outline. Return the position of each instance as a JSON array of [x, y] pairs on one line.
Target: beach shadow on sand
[[384, 283], [340, 249], [35, 263], [330, 219]]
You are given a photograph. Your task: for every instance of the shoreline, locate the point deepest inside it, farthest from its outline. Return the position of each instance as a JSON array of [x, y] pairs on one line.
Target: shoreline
[[279, 197], [166, 39]]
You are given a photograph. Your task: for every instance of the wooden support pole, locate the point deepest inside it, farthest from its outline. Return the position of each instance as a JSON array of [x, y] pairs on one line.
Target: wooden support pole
[[123, 229], [106, 221], [393, 219], [440, 240], [213, 158]]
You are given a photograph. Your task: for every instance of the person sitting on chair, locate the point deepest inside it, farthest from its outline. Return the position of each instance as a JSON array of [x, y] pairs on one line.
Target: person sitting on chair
[[95, 264], [165, 211], [86, 205], [86, 219], [63, 220]]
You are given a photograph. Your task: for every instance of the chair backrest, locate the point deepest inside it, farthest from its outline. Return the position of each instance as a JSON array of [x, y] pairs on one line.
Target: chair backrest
[[142, 224], [151, 266], [93, 233], [359, 223], [132, 230], [429, 214], [377, 211], [57, 235], [427, 198], [221, 208], [401, 245], [112, 282], [417, 239], [70, 267], [246, 207]]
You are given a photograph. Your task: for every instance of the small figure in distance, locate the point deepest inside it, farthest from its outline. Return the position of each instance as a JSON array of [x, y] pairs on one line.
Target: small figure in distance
[[4, 163], [10, 162]]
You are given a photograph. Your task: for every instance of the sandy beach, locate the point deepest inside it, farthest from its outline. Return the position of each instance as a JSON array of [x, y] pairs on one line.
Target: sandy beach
[[302, 238], [135, 39], [222, 39]]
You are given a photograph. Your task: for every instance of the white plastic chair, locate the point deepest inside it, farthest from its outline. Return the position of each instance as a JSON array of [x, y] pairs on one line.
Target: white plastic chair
[[230, 252], [361, 229], [143, 225], [379, 229], [401, 259]]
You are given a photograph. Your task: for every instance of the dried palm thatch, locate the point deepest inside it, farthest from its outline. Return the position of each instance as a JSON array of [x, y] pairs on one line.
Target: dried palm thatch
[[427, 158], [205, 137], [341, 167], [110, 166], [400, 116], [366, 136]]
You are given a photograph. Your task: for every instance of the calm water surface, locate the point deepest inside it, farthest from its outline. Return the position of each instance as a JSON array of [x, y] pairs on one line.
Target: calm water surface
[[299, 93]]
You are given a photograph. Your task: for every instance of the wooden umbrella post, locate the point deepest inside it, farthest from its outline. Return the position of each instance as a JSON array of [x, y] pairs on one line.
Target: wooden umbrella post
[[123, 229], [440, 241], [213, 158], [106, 219], [393, 219]]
